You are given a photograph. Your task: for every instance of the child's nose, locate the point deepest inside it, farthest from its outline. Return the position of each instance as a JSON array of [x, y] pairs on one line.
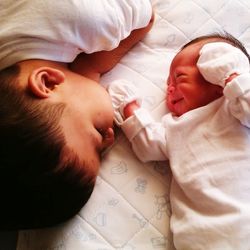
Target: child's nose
[[108, 138]]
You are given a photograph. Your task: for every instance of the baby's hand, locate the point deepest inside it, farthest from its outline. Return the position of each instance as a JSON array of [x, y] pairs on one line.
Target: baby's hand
[[130, 108], [220, 60], [125, 99]]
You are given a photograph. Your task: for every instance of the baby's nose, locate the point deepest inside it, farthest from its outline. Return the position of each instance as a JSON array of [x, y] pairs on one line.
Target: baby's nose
[[171, 89]]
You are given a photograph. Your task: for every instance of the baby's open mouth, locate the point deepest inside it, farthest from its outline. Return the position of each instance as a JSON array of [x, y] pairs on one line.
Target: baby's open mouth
[[177, 100]]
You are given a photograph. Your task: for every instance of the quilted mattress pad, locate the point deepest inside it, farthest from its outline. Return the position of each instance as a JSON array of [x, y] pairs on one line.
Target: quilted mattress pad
[[129, 208]]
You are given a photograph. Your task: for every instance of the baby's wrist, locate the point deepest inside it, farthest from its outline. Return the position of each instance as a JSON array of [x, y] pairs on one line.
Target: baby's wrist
[[130, 108], [231, 77]]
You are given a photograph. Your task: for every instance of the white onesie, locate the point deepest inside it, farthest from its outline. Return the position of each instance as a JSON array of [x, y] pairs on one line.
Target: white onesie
[[60, 30], [209, 154]]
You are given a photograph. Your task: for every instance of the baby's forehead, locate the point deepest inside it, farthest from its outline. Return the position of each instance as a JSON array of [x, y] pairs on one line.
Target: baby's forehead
[[189, 54], [200, 43], [192, 49]]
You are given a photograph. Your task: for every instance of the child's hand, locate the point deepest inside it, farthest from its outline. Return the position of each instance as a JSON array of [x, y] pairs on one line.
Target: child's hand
[[125, 99], [220, 60]]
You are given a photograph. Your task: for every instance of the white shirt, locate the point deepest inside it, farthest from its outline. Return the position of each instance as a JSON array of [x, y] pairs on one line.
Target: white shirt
[[209, 153], [60, 30]]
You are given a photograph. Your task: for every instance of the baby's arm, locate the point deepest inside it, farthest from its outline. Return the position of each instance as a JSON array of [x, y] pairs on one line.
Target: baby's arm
[[237, 91], [147, 137], [227, 66]]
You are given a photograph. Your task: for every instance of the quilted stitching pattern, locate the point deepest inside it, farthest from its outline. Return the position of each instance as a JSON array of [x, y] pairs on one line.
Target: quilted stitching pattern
[[130, 208]]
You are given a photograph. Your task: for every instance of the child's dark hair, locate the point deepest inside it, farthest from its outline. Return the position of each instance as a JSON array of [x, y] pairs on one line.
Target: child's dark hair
[[38, 187], [221, 36]]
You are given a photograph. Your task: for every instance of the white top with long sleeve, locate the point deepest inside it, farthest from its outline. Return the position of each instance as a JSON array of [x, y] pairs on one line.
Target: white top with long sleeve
[[209, 153], [60, 30]]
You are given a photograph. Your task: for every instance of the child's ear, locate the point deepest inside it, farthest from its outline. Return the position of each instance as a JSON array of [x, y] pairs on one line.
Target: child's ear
[[42, 81]]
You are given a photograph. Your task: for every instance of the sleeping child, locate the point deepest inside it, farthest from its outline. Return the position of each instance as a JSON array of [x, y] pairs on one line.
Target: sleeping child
[[205, 137], [52, 130]]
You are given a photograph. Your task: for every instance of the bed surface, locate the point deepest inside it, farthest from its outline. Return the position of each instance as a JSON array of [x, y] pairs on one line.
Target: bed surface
[[129, 208]]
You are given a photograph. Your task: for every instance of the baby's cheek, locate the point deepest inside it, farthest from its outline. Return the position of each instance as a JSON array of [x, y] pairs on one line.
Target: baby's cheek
[[169, 105]]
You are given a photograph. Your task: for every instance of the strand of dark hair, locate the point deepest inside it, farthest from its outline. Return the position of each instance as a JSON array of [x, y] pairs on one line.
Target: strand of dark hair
[[223, 35], [34, 192]]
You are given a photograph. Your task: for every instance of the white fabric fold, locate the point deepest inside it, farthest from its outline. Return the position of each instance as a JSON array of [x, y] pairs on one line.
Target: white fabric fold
[[60, 30], [219, 60]]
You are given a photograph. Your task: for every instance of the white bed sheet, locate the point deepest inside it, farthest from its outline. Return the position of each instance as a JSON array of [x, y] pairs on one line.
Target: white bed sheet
[[129, 208]]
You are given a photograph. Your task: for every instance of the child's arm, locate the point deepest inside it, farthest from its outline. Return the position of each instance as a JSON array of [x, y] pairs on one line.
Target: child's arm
[[147, 137], [227, 66], [95, 64]]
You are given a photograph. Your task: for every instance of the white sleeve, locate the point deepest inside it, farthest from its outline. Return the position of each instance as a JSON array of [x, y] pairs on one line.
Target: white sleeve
[[238, 93], [146, 136], [66, 28], [104, 23]]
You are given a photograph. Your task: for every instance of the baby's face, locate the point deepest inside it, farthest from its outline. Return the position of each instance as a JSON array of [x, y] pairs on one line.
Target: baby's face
[[88, 119], [187, 89]]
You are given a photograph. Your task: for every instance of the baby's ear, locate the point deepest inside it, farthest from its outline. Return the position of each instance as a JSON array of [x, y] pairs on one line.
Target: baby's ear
[[43, 80]]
